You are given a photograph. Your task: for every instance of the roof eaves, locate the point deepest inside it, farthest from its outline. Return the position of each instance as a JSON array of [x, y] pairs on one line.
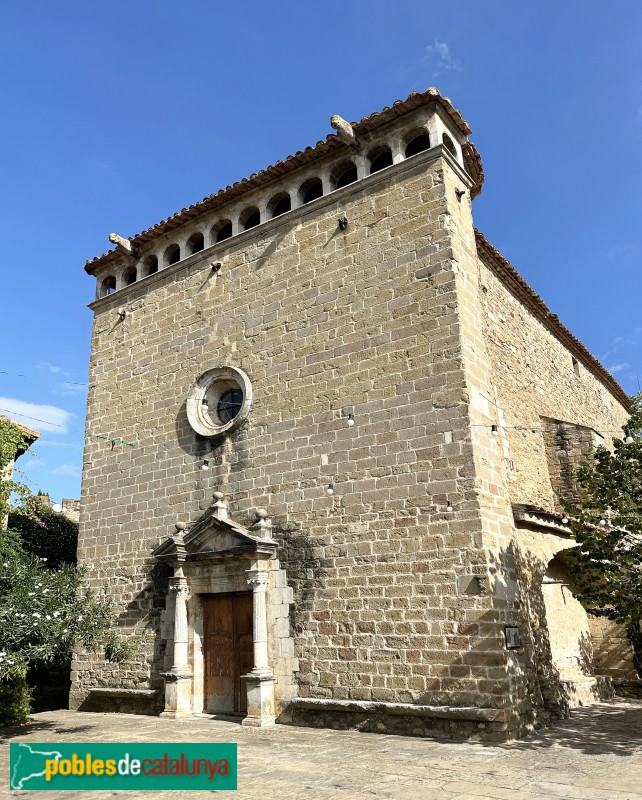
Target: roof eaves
[[514, 282], [326, 146]]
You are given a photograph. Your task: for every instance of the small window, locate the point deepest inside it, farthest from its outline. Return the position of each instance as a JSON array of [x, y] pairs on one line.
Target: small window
[[344, 175], [250, 218], [195, 243], [229, 405], [448, 144], [380, 159], [418, 144], [151, 265], [108, 286], [172, 255], [129, 276], [311, 190], [280, 204], [219, 401], [576, 366], [222, 230]]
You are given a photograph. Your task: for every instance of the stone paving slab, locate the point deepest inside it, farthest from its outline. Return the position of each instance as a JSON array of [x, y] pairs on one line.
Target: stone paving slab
[[595, 755]]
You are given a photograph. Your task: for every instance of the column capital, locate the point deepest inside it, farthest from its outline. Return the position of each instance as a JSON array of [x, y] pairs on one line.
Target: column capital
[[257, 579]]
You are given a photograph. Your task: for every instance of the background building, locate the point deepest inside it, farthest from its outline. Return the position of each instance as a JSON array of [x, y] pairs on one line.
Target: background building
[[351, 419]]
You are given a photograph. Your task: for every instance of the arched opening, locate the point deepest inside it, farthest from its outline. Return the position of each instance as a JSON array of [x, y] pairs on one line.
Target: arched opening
[[250, 218], [344, 174], [222, 230], [418, 143], [448, 144], [129, 276], [279, 204], [311, 190], [151, 265], [172, 255], [195, 243], [108, 286], [380, 158], [567, 622]]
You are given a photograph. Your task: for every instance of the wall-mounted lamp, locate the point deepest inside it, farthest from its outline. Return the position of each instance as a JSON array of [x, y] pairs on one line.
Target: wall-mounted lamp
[[205, 465], [343, 222], [330, 489], [449, 505], [122, 314], [350, 422], [494, 429], [629, 438], [215, 265], [602, 521], [205, 403], [564, 520]]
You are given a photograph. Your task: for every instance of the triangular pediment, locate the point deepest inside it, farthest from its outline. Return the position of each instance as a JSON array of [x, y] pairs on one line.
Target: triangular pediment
[[213, 538]]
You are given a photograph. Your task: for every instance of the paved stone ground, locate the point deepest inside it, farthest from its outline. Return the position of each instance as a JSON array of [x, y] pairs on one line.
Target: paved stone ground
[[595, 755]]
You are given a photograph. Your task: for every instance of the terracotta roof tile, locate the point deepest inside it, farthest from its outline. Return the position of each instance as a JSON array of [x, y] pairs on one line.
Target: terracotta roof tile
[[514, 282], [330, 144]]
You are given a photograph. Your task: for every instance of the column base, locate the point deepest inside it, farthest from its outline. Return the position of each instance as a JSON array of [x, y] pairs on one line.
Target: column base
[[178, 695], [260, 699]]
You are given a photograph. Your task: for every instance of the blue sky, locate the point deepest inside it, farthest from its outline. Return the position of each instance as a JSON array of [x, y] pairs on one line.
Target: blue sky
[[116, 115]]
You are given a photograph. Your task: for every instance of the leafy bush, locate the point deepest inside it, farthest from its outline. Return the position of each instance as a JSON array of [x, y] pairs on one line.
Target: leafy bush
[[15, 699], [43, 613], [46, 533]]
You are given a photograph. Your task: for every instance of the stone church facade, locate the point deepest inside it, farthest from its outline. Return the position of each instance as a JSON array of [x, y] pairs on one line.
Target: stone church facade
[[336, 425]]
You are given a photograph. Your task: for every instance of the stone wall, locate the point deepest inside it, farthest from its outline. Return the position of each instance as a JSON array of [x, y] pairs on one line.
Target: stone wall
[[535, 377], [325, 323], [399, 585], [612, 650]]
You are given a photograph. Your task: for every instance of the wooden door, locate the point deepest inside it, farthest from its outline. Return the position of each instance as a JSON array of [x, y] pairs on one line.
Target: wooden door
[[229, 651]]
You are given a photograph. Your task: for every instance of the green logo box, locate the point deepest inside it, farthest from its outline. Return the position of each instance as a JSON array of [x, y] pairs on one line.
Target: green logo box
[[114, 766]]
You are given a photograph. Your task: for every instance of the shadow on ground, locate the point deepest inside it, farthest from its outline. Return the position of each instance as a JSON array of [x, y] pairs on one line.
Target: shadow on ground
[[610, 728], [42, 726]]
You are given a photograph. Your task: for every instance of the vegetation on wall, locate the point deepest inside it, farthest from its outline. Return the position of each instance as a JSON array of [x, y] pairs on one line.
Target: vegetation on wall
[[607, 524], [46, 610], [12, 440]]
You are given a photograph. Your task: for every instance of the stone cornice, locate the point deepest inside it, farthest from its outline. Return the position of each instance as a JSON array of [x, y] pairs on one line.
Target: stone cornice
[[271, 226], [540, 518]]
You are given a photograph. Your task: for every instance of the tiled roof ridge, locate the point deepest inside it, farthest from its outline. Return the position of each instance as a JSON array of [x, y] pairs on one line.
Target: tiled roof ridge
[[514, 282], [324, 146]]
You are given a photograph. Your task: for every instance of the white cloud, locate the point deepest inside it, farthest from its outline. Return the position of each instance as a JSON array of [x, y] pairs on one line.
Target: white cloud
[[52, 443], [618, 368], [71, 470], [71, 389], [41, 418], [49, 367], [439, 56]]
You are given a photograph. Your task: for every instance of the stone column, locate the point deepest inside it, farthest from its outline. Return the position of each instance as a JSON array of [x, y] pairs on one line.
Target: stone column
[[398, 150], [260, 681], [178, 681], [363, 168]]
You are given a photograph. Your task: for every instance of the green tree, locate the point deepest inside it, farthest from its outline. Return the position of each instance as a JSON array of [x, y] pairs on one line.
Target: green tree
[[607, 524], [44, 612], [46, 533]]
